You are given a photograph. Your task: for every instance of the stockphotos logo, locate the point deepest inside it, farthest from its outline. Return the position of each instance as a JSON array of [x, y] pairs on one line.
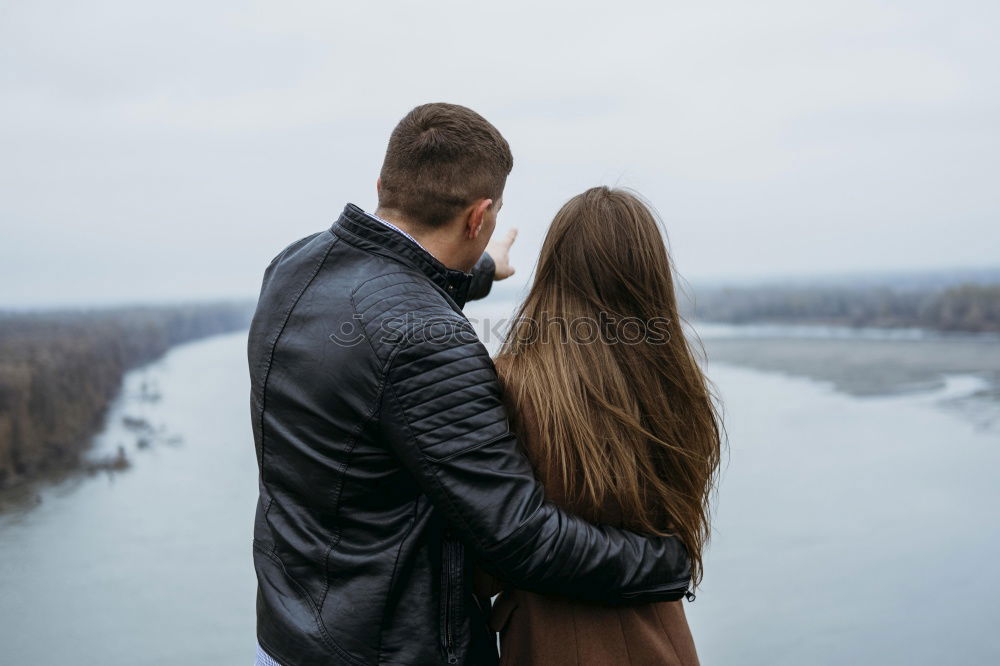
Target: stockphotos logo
[[604, 329]]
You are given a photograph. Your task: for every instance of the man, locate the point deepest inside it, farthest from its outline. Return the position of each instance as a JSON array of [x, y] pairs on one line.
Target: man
[[385, 457]]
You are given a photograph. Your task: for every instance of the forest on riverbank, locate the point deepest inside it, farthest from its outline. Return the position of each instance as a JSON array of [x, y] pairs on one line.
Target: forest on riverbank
[[60, 371], [972, 308]]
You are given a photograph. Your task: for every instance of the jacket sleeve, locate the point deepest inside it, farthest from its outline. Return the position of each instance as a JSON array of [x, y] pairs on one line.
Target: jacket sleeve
[[442, 413], [482, 277]]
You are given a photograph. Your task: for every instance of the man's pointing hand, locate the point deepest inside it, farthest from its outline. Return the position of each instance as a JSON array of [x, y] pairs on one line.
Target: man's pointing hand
[[500, 251]]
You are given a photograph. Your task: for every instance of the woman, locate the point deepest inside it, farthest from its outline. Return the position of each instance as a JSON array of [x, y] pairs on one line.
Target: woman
[[617, 419]]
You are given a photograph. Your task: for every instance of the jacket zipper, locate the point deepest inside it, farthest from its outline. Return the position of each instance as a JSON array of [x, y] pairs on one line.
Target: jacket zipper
[[451, 572], [676, 591]]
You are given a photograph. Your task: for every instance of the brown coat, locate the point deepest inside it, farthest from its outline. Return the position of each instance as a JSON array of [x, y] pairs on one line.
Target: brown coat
[[550, 631]]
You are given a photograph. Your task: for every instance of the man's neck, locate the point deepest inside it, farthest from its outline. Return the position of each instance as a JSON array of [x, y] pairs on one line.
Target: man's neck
[[438, 242]]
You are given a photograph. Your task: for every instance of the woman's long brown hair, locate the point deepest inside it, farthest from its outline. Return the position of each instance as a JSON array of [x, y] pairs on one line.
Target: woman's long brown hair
[[596, 353]]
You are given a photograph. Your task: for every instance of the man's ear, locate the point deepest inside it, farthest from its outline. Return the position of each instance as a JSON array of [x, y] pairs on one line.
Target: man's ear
[[378, 185], [475, 221]]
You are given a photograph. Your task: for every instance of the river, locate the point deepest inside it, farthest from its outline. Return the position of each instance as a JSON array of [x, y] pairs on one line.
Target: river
[[849, 530]]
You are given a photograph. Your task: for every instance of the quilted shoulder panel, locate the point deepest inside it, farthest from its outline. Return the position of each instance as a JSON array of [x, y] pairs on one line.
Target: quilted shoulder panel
[[389, 307], [447, 388]]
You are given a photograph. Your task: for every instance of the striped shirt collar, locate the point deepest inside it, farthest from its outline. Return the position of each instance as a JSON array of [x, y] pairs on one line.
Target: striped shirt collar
[[395, 228]]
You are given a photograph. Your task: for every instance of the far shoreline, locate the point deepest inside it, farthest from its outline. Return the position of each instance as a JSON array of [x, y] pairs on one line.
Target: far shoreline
[[864, 366]]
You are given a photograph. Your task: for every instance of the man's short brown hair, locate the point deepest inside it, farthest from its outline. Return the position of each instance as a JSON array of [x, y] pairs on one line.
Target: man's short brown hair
[[441, 158]]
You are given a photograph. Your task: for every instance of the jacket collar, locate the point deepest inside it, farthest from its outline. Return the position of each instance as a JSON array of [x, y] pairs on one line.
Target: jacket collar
[[358, 228]]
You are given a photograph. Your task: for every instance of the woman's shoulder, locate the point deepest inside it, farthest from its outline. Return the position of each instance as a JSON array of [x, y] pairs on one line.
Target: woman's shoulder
[[513, 397], [521, 411], [502, 362]]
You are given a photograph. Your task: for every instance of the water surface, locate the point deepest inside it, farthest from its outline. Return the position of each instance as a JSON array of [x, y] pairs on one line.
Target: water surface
[[849, 531]]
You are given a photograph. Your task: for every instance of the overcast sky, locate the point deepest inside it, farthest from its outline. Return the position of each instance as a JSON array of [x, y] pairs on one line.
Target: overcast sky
[[168, 150]]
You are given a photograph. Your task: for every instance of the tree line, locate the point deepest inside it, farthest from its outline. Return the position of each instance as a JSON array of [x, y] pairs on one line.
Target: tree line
[[965, 308], [59, 372]]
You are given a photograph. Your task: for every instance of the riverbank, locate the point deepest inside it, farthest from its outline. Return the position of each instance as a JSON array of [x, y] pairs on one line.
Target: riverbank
[[869, 366], [60, 371], [931, 303]]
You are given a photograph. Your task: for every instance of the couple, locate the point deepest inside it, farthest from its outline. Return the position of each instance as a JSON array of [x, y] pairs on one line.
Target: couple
[[406, 477]]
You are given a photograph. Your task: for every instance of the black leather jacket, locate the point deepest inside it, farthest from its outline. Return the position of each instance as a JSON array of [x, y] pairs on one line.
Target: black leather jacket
[[386, 464]]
